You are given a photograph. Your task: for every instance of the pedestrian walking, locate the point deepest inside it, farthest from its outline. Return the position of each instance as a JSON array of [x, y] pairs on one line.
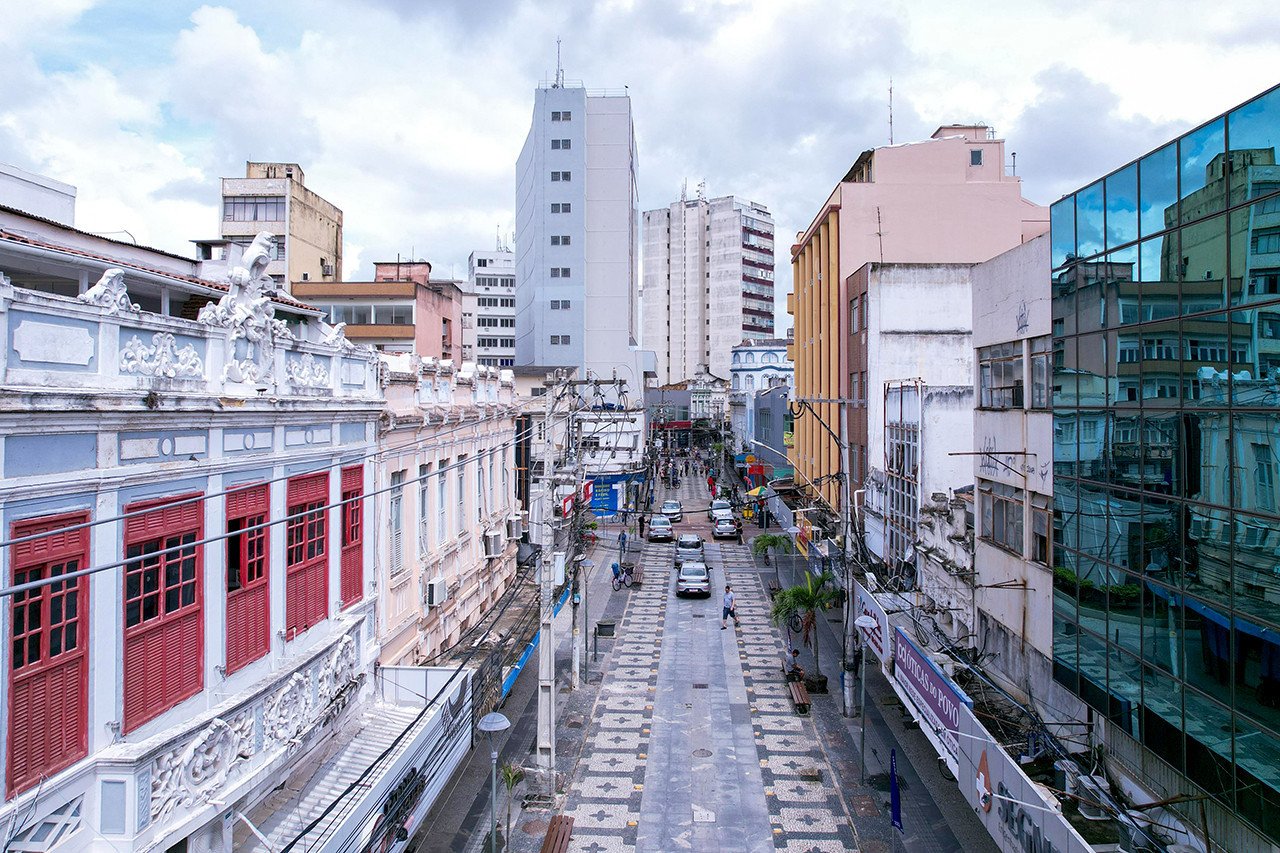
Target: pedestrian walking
[[642, 519], [728, 608], [622, 541]]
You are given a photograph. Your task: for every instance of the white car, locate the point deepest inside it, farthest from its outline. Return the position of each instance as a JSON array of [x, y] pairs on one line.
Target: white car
[[694, 579], [718, 505], [660, 529], [724, 529], [673, 510], [689, 549]]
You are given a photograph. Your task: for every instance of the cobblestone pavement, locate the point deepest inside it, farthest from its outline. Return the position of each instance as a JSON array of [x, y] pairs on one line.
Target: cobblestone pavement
[[693, 743]]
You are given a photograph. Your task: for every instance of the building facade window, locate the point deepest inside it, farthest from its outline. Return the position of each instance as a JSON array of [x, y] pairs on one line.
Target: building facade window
[[560, 239], [461, 467], [252, 208], [49, 651], [563, 177], [395, 518], [1041, 373], [307, 552], [561, 207], [351, 556], [248, 580], [561, 144], [442, 503], [163, 607], [1000, 376], [424, 510], [1001, 508], [560, 272]]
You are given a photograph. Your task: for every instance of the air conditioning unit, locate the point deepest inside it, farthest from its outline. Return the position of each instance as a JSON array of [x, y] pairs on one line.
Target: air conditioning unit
[[493, 544], [515, 527], [437, 591], [1091, 788], [326, 269]]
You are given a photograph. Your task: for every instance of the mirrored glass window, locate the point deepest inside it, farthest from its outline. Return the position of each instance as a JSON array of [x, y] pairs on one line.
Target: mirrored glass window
[[1202, 171], [1122, 206], [1090, 225], [1158, 190]]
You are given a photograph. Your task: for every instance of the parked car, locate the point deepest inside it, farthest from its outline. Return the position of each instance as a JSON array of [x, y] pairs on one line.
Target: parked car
[[689, 548], [660, 529], [673, 510], [720, 514], [693, 579], [724, 529], [718, 504]]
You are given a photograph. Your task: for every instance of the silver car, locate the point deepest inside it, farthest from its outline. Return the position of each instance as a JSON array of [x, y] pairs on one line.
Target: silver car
[[694, 579], [660, 529], [689, 547], [673, 510], [724, 529]]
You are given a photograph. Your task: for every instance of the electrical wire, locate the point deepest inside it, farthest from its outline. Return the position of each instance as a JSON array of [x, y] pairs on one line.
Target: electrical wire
[[174, 549]]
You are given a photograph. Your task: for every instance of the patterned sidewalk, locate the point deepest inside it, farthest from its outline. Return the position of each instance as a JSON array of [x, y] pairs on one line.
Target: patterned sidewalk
[[693, 743]]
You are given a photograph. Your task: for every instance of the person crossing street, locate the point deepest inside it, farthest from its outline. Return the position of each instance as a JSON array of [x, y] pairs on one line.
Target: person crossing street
[[728, 609]]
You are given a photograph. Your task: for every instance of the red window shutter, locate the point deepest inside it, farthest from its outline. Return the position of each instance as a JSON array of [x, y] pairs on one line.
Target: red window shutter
[[163, 607], [352, 535], [248, 576], [48, 642], [307, 552]]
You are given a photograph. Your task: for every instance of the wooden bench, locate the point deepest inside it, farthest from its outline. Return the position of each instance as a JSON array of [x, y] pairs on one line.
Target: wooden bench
[[558, 835], [799, 696], [637, 576]]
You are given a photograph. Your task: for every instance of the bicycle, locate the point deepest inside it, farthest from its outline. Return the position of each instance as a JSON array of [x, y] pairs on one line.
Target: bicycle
[[621, 579]]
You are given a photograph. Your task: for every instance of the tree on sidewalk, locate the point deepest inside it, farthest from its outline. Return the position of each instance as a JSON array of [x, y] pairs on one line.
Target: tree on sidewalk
[[767, 544], [807, 600], [512, 775]]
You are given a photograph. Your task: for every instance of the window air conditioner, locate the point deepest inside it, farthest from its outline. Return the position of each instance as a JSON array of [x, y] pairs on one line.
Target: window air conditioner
[[515, 527], [326, 269], [437, 591], [493, 544]]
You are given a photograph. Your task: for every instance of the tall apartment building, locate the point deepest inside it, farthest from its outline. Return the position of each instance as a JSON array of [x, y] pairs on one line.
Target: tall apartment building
[[274, 197], [489, 309], [948, 199], [1165, 320], [576, 221], [708, 283]]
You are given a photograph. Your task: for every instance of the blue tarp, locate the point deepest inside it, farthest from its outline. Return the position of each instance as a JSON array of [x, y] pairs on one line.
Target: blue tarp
[[510, 680]]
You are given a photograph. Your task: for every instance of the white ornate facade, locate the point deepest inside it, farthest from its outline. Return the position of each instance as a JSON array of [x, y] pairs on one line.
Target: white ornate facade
[[448, 549], [212, 649]]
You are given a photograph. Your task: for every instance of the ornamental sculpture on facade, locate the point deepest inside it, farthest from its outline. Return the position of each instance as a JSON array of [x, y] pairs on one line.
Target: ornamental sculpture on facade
[[162, 358], [109, 293], [307, 371], [247, 311], [192, 774]]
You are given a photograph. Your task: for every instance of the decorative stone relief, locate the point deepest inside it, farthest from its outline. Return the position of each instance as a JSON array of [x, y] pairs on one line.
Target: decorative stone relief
[[338, 670], [288, 710], [109, 293], [247, 311], [162, 358], [53, 344], [308, 371], [193, 773], [335, 336]]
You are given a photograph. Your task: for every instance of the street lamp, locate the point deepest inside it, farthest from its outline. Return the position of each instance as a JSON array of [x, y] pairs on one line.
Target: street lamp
[[584, 567], [866, 622], [491, 724]]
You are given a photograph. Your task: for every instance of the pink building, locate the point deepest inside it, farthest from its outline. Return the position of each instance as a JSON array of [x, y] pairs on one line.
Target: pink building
[[945, 200]]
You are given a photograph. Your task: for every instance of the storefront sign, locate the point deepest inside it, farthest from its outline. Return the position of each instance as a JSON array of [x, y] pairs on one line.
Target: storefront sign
[[936, 698], [1019, 815], [875, 639]]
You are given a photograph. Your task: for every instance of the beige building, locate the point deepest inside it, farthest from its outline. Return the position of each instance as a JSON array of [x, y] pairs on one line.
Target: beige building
[[274, 197]]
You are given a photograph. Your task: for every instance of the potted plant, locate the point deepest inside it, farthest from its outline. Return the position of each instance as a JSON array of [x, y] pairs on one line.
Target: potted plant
[[511, 776], [807, 601]]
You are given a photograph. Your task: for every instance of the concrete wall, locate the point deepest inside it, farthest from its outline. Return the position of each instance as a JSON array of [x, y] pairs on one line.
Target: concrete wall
[[37, 195]]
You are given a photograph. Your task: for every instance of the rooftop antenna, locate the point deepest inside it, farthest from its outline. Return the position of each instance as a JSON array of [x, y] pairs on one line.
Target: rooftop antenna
[[890, 110], [880, 234], [684, 190], [702, 190], [559, 69], [497, 238]]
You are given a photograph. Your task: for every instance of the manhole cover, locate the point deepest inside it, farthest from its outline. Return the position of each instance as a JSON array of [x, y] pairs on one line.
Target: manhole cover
[[702, 753], [699, 616], [699, 687], [701, 815], [534, 827]]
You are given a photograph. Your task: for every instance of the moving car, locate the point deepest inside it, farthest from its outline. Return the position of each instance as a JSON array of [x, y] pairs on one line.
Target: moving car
[[718, 504], [724, 529], [689, 547], [660, 529], [694, 579], [672, 510]]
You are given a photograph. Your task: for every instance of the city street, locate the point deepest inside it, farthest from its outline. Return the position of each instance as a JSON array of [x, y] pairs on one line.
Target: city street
[[689, 740]]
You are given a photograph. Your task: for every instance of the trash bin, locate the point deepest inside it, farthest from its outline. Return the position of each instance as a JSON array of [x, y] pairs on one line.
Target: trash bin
[[606, 627]]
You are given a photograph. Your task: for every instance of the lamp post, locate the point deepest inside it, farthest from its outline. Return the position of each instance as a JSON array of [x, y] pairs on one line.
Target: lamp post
[[491, 724], [865, 623], [585, 568]]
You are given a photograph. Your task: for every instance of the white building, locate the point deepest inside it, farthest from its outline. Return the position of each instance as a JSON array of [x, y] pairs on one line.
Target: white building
[[489, 309], [708, 283], [754, 366], [447, 494], [576, 218], [217, 446], [919, 392]]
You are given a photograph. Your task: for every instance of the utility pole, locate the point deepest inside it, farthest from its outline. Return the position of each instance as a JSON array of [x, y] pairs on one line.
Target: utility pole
[[546, 753], [846, 512]]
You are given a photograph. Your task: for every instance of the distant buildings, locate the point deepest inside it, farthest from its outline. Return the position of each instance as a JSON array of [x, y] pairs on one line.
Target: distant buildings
[[489, 309], [273, 197], [576, 222], [708, 283]]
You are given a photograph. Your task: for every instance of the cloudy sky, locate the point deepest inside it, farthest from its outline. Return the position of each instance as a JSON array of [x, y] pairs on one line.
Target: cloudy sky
[[409, 114]]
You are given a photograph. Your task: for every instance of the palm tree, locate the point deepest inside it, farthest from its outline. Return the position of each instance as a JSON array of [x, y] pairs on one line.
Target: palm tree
[[511, 775], [807, 600], [767, 543]]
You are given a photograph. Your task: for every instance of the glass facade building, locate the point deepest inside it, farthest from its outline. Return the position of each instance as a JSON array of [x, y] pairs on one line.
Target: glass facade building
[[1166, 398]]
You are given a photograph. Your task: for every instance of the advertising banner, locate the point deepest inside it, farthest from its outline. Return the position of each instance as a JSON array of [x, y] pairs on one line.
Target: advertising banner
[[1020, 817], [875, 639], [935, 697]]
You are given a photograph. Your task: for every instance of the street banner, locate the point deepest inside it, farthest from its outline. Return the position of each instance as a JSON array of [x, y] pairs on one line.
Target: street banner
[[895, 796], [935, 697], [874, 639]]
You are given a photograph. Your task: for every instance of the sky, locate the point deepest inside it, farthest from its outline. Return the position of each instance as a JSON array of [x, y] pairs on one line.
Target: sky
[[409, 114]]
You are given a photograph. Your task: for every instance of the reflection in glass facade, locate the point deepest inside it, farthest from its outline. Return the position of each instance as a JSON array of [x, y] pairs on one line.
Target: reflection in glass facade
[[1166, 398]]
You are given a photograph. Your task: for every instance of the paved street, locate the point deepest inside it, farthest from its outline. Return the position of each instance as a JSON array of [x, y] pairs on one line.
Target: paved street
[[689, 741]]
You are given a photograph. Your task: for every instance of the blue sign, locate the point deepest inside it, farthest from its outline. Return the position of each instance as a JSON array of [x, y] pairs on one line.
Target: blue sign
[[895, 796]]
